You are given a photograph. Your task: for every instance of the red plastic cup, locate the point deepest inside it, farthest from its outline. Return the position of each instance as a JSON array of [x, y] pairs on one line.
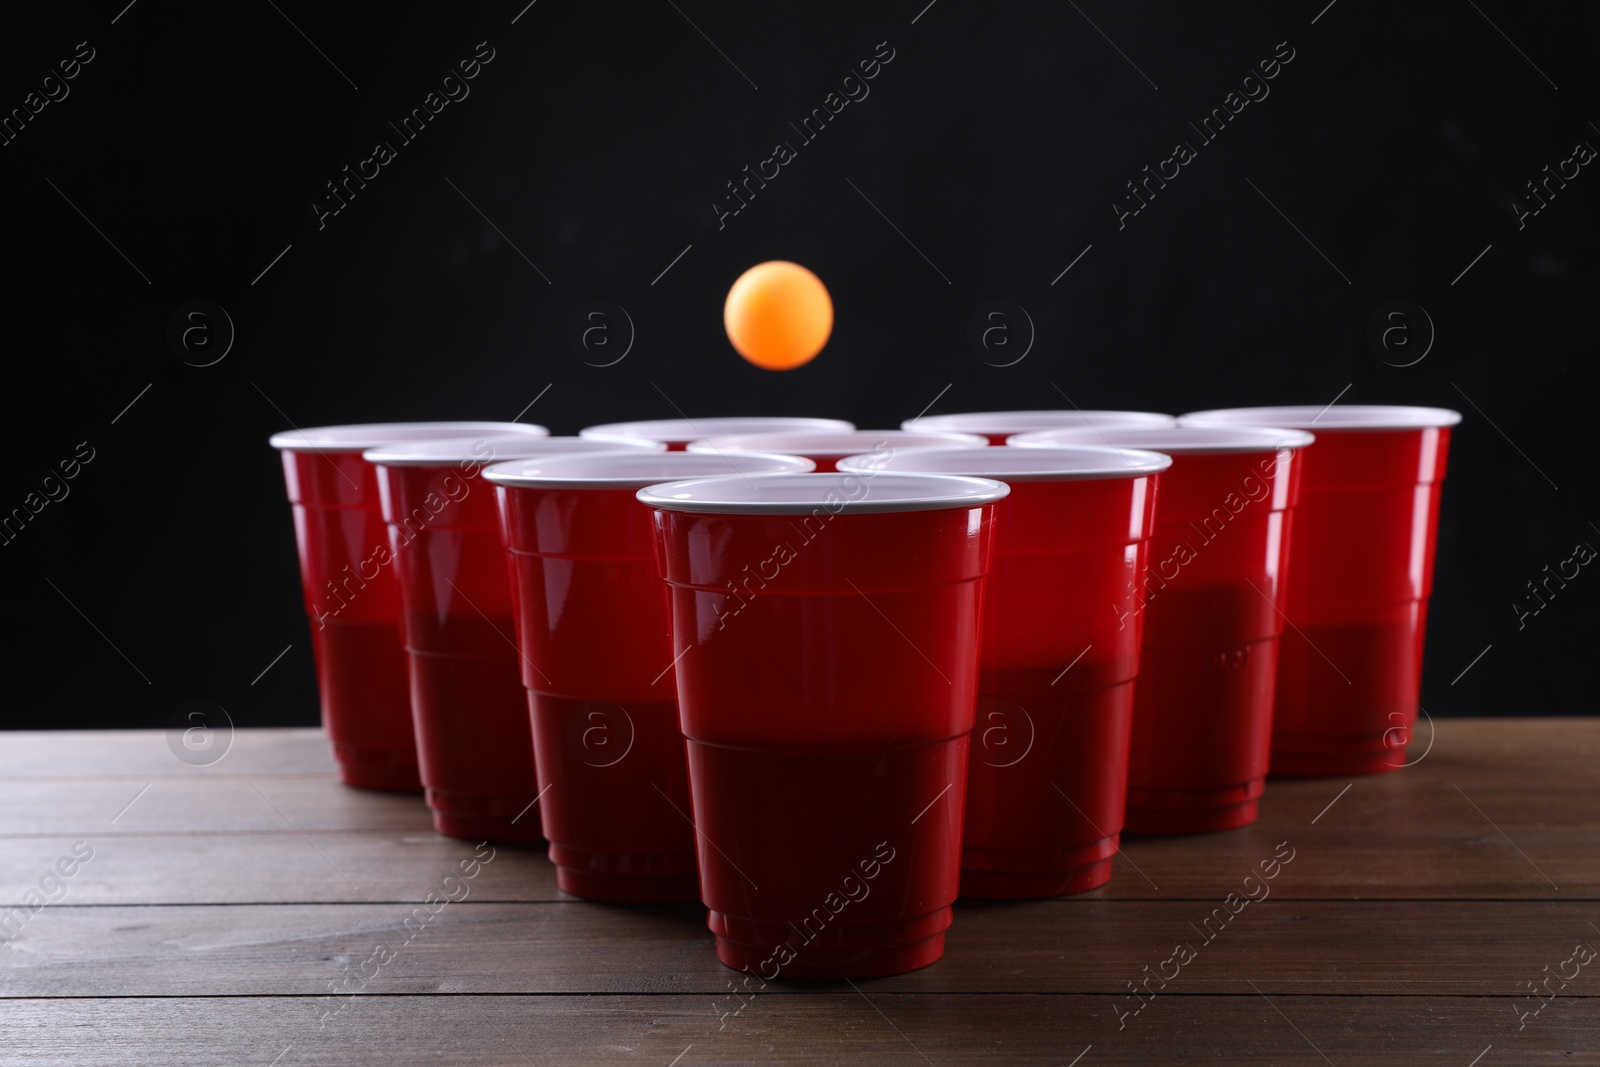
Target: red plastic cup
[[596, 649], [350, 592], [826, 629], [677, 433], [468, 706], [1048, 777], [1350, 674], [999, 425], [1212, 601], [827, 449]]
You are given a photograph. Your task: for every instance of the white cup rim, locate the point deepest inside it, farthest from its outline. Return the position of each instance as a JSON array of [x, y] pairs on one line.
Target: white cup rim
[[712, 426], [634, 469], [358, 437], [1086, 463], [450, 451], [1328, 418], [996, 422], [804, 494], [834, 444], [1172, 440]]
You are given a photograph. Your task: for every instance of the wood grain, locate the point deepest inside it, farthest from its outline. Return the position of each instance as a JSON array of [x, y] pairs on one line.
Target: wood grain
[[886, 1030], [1290, 947], [270, 868], [202, 804]]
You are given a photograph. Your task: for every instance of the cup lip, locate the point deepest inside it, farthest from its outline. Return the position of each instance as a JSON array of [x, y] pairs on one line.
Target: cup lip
[[834, 444], [635, 469], [712, 426], [803, 494], [997, 422], [1172, 440], [451, 451], [1328, 418], [1005, 464], [358, 437]]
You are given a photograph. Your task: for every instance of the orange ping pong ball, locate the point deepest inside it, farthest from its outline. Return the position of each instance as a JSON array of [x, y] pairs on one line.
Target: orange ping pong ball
[[778, 315]]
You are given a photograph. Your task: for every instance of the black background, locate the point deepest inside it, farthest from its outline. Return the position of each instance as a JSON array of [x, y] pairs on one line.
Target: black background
[[597, 141]]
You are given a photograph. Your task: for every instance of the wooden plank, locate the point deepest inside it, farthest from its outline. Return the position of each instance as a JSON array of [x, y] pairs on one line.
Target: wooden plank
[[146, 754], [269, 868], [1466, 860], [865, 1026], [1101, 947], [1533, 743], [202, 803]]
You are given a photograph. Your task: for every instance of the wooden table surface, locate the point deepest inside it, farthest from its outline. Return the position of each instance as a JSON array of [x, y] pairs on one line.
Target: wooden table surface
[[233, 914]]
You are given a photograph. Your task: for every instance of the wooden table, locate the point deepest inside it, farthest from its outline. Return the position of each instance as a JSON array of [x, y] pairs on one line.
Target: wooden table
[[222, 906]]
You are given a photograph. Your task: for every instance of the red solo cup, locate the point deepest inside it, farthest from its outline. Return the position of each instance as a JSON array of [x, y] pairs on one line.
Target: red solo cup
[[826, 629], [1351, 673], [596, 649], [999, 425], [677, 433], [827, 449], [1048, 777], [350, 592], [468, 706], [1212, 601]]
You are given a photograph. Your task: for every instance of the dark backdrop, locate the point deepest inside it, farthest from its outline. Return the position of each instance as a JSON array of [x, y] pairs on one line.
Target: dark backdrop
[[185, 157]]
